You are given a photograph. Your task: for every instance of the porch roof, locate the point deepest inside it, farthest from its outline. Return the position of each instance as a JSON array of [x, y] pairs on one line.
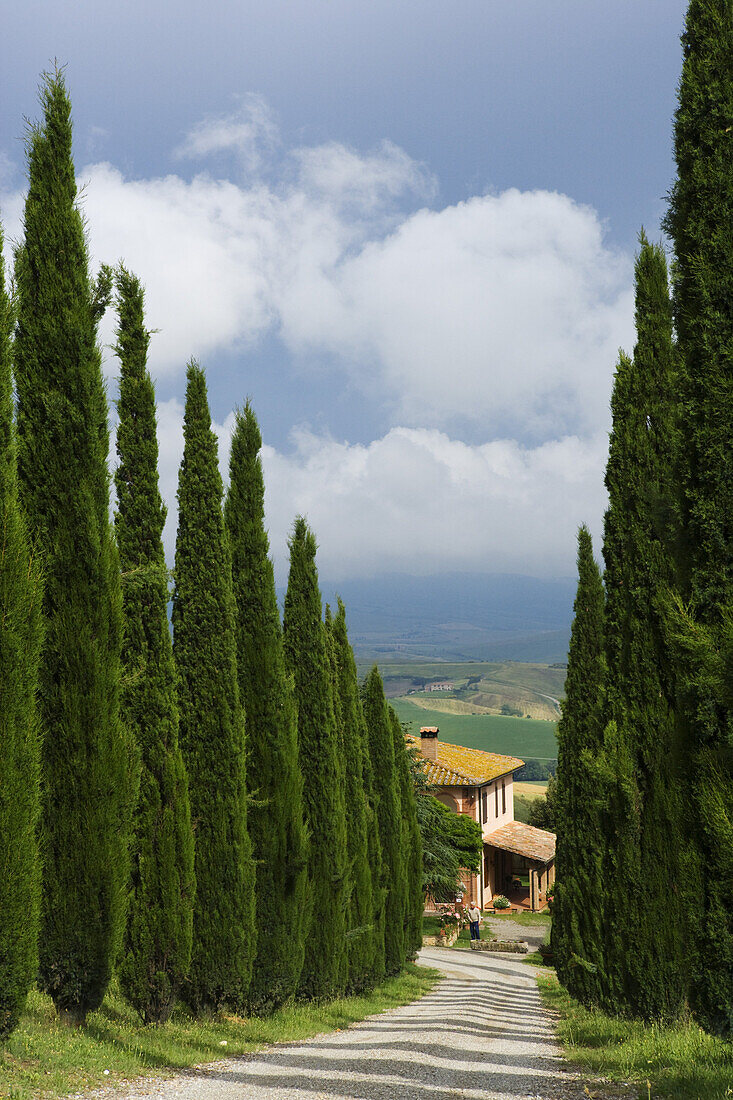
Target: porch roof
[[523, 840]]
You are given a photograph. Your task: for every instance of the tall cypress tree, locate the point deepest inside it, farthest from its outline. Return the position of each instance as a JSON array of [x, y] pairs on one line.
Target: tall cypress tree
[[211, 721], [275, 820], [21, 634], [578, 910], [411, 843], [307, 657], [698, 220], [646, 949], [343, 975], [387, 799], [89, 778], [157, 945], [360, 926]]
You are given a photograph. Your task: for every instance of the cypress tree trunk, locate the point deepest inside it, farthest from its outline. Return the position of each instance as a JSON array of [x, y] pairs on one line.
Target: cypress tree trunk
[[211, 722], [387, 799], [157, 945], [411, 843], [577, 909], [646, 947], [89, 769], [325, 813], [360, 924], [21, 634], [276, 826], [698, 221]]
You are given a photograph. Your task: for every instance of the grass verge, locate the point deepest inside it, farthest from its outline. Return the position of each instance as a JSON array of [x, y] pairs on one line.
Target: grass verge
[[678, 1061], [43, 1059]]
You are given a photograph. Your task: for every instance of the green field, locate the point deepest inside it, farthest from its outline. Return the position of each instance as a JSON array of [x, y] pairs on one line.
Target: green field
[[526, 738]]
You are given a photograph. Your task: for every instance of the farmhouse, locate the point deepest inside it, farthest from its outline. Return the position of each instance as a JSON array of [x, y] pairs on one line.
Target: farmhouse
[[481, 784]]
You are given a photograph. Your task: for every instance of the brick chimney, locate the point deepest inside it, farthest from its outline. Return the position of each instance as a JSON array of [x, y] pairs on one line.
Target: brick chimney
[[429, 742]]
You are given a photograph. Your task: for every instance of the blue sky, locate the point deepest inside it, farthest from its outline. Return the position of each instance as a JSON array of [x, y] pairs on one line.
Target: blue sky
[[406, 230]]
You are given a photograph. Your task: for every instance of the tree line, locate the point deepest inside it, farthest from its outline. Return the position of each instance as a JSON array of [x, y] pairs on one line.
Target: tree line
[[223, 815], [643, 912]]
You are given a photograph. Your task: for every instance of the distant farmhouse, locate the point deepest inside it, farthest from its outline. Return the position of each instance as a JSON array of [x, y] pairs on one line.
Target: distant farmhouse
[[518, 860], [440, 685]]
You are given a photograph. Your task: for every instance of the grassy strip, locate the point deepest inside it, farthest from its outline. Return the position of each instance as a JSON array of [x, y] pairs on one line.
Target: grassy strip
[[678, 1061], [43, 1059]]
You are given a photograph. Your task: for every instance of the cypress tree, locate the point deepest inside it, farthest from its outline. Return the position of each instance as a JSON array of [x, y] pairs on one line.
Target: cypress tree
[[21, 634], [307, 657], [361, 931], [211, 721], [89, 770], [157, 945], [645, 941], [343, 975], [577, 909], [411, 843], [698, 220], [387, 799], [275, 820]]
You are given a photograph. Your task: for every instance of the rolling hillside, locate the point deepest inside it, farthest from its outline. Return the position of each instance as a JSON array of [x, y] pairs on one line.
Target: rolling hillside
[[526, 738]]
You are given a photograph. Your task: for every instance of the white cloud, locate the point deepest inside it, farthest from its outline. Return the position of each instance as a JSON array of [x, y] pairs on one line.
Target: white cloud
[[363, 182], [416, 500], [506, 310], [250, 132]]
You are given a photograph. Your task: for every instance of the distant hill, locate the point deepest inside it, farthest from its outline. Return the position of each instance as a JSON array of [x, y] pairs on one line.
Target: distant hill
[[457, 617]]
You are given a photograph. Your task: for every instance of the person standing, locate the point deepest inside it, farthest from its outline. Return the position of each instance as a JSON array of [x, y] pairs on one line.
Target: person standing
[[474, 916]]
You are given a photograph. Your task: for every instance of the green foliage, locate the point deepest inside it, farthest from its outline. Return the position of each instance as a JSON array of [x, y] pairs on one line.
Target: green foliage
[[647, 952], [325, 813], [542, 811], [361, 930], [501, 902], [211, 721], [157, 944], [411, 843], [21, 636], [701, 205], [451, 843], [387, 800], [275, 819], [577, 911], [89, 761]]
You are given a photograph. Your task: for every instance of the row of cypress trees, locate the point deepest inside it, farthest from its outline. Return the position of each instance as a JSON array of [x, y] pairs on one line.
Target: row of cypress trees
[[201, 863], [644, 904]]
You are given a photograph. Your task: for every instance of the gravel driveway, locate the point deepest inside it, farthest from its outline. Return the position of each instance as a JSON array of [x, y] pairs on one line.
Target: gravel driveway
[[481, 1034]]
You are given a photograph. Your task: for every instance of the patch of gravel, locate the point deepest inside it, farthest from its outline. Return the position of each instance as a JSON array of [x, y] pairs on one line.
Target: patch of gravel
[[503, 929], [481, 1034]]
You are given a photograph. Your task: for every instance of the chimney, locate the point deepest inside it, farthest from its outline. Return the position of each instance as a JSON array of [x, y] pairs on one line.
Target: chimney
[[429, 742]]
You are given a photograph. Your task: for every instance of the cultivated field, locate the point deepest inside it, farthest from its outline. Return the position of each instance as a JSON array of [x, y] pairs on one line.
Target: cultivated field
[[526, 738]]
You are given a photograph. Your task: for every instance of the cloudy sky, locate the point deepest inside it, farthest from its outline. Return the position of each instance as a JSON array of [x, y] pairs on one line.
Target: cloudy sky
[[404, 228]]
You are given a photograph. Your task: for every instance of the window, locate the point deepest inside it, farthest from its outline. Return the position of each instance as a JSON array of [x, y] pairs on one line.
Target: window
[[496, 799], [503, 797], [485, 805]]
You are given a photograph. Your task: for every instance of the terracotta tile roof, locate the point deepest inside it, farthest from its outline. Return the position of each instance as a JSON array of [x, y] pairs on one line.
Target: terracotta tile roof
[[524, 840], [457, 766]]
